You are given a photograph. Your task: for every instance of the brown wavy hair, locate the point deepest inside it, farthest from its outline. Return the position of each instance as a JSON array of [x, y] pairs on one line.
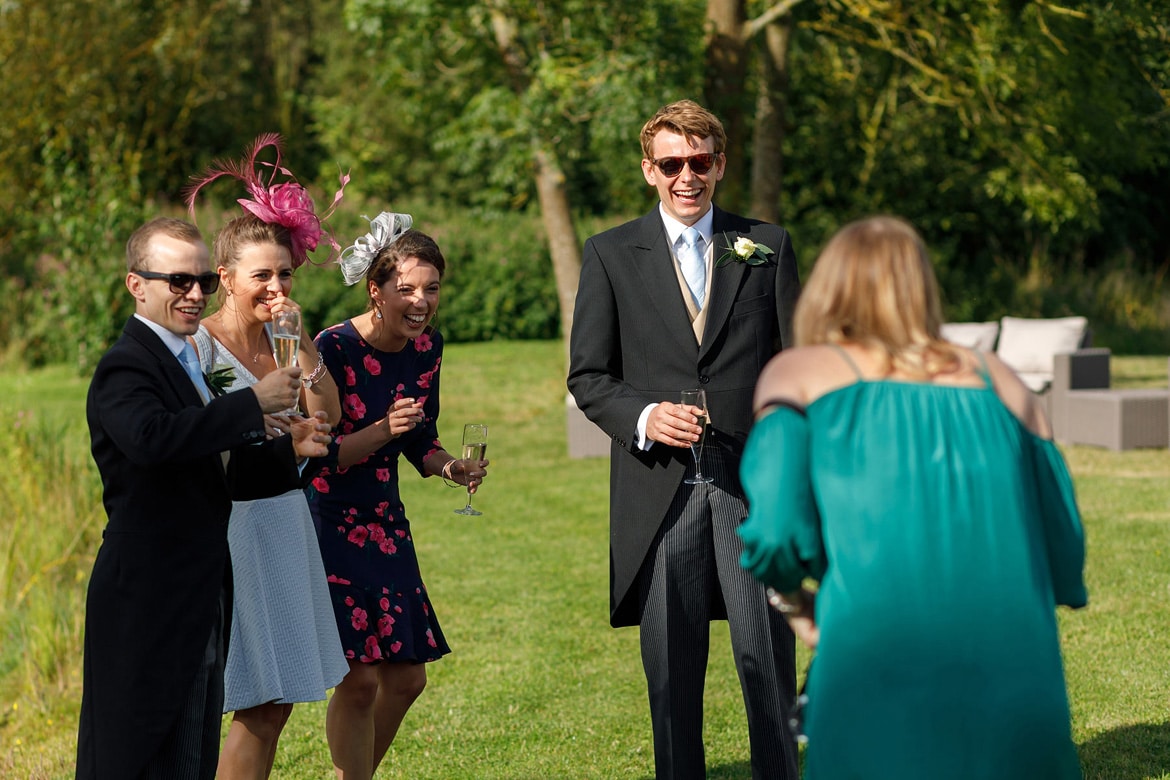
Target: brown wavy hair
[[687, 118], [412, 243]]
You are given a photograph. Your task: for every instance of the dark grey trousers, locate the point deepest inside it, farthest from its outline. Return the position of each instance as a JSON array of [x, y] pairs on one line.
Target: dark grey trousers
[[191, 750], [695, 558]]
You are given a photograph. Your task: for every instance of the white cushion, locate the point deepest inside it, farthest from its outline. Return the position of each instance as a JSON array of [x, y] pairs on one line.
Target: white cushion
[[1030, 346], [973, 335]]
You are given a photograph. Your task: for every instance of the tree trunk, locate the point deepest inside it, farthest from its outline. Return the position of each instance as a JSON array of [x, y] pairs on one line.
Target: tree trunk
[[768, 143], [723, 92], [557, 217], [555, 211]]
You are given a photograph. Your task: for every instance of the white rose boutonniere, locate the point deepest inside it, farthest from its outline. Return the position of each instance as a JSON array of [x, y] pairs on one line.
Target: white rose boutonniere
[[219, 379], [744, 250]]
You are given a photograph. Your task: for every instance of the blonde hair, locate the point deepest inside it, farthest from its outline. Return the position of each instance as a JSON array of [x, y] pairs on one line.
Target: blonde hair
[[873, 285], [688, 119], [138, 246]]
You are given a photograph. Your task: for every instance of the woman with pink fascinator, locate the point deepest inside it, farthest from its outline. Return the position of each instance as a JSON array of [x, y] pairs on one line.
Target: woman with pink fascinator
[[284, 647]]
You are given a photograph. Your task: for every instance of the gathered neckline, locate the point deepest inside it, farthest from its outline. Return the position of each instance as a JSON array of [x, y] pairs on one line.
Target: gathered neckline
[[908, 383]]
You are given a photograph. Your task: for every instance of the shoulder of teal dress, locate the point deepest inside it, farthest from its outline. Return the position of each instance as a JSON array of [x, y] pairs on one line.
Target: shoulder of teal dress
[[782, 532], [1064, 534]]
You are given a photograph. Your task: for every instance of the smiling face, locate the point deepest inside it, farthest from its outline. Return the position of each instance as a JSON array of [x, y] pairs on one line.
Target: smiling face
[[407, 301], [262, 272], [153, 299], [687, 196]]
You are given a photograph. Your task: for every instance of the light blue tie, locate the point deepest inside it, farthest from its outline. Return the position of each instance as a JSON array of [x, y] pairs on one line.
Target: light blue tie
[[191, 365], [694, 267]]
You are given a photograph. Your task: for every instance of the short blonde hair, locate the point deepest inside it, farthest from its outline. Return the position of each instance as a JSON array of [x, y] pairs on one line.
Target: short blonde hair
[[138, 255], [873, 285], [687, 118]]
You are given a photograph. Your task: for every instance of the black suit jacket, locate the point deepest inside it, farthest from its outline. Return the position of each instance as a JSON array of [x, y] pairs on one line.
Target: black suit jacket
[[157, 579], [632, 344]]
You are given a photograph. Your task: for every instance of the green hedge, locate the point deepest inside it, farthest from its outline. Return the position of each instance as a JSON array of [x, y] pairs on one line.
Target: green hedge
[[498, 284]]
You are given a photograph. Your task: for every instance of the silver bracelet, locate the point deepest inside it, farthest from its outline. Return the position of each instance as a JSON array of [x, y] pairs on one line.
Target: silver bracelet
[[311, 379]]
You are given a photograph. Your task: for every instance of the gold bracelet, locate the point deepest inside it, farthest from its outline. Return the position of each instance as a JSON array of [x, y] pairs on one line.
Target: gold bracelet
[[446, 473]]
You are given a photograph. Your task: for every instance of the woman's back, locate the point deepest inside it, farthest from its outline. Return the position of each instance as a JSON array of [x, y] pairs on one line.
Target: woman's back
[[939, 654]]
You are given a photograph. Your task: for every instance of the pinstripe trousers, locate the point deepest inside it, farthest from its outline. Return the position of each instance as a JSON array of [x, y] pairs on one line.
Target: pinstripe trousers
[[693, 562], [191, 750]]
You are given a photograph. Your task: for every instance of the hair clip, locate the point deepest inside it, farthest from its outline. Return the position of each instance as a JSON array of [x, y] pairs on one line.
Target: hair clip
[[385, 229]]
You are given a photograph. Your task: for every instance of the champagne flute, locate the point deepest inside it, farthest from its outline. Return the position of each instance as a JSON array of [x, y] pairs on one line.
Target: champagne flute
[[286, 339], [697, 398], [474, 448]]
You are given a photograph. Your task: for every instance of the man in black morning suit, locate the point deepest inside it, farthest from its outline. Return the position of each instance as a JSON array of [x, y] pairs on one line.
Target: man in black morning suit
[[644, 329], [171, 462]]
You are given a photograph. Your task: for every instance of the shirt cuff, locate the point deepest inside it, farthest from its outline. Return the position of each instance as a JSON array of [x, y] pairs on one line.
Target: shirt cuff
[[640, 434]]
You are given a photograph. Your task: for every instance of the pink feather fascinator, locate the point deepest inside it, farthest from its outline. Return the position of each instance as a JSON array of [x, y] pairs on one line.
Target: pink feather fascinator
[[285, 202]]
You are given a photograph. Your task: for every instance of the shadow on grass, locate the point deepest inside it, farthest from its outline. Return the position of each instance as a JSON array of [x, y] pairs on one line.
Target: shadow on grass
[[1134, 752], [736, 770]]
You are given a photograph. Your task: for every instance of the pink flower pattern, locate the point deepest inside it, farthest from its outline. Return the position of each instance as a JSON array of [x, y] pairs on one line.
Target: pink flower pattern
[[353, 406], [384, 612]]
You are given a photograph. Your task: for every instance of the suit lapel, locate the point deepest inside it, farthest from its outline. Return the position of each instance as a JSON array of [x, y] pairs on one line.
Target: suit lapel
[[725, 281], [654, 265], [170, 366]]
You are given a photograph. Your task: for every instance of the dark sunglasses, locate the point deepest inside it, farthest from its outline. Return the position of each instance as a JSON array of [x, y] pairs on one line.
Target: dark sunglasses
[[181, 284], [672, 166]]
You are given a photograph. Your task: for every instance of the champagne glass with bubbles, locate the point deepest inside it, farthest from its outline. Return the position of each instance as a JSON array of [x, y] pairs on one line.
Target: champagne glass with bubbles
[[286, 338], [474, 448], [697, 398]]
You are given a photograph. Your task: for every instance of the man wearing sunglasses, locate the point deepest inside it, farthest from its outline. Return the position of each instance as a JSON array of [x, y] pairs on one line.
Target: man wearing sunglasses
[[171, 459], [661, 309]]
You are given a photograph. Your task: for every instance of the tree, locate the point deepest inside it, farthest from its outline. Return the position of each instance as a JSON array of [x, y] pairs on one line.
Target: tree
[[112, 105], [504, 96]]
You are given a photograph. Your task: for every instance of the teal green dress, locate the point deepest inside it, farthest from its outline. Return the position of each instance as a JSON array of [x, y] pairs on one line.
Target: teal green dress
[[943, 535]]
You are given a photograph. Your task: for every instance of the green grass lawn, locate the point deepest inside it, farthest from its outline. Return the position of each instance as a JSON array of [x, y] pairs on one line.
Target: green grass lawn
[[538, 685]]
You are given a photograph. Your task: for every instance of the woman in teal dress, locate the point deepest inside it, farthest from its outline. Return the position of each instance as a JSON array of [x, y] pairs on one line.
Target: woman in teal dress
[[919, 525]]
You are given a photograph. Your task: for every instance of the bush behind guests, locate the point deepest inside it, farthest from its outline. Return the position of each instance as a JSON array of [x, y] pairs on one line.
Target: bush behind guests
[[499, 283], [59, 300]]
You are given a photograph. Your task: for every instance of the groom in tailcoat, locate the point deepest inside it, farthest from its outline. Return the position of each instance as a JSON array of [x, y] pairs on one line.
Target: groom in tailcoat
[[171, 460], [654, 317]]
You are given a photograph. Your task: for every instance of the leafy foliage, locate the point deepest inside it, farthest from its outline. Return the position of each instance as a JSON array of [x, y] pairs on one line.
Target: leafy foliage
[[1003, 132], [1029, 142], [498, 283], [456, 117]]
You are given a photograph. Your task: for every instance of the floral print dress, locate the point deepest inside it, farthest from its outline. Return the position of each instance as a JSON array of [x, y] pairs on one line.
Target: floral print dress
[[382, 608]]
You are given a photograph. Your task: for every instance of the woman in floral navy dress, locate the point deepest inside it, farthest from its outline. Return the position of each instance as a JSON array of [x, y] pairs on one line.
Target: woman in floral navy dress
[[385, 363]]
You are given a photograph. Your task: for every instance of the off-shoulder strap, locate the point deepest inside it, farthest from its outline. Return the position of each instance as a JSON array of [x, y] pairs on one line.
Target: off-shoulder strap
[[845, 355], [784, 402], [983, 370]]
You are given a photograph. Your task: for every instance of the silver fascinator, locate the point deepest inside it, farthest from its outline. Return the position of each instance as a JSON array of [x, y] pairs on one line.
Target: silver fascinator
[[385, 229]]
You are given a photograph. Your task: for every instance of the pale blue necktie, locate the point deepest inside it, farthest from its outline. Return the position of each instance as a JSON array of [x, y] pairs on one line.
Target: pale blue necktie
[[191, 366], [694, 267]]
